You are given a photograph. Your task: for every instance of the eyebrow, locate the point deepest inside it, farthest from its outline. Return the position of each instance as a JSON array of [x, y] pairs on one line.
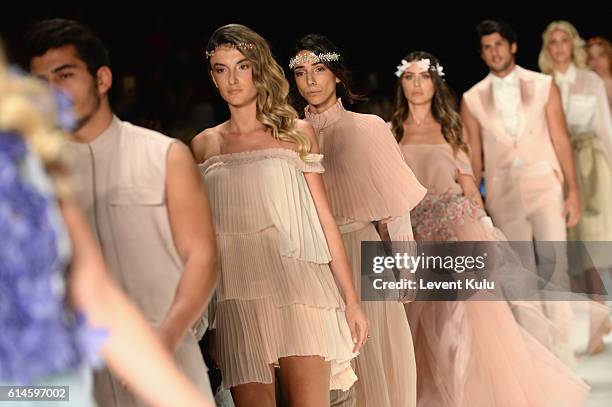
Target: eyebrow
[[62, 67], [237, 63], [302, 66]]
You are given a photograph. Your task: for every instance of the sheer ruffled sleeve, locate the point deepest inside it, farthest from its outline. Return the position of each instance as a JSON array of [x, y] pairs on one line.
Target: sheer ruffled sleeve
[[366, 176]]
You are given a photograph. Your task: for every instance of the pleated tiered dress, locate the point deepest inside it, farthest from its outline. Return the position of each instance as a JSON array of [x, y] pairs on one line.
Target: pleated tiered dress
[[276, 295]]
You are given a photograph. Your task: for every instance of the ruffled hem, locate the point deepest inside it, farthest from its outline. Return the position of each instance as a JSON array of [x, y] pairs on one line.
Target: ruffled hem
[[366, 177], [504, 366], [371, 181], [386, 366], [254, 335], [254, 190], [253, 269]]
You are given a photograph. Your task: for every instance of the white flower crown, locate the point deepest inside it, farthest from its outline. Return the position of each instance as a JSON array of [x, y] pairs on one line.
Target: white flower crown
[[424, 64]]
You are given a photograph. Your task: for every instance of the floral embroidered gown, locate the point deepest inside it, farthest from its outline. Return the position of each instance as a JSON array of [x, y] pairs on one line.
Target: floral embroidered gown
[[473, 353]]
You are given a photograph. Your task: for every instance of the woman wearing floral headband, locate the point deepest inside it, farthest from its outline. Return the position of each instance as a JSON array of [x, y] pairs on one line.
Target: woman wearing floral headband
[[367, 181], [277, 301], [468, 353]]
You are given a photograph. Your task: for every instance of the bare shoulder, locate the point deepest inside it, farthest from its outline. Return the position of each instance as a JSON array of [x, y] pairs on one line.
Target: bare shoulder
[[207, 143]]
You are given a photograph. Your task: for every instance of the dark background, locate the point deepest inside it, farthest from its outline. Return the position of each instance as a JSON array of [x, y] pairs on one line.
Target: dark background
[[157, 49]]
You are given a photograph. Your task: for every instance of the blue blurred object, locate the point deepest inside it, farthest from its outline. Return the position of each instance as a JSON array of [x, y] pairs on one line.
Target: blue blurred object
[[62, 102], [65, 115], [482, 188], [39, 334]]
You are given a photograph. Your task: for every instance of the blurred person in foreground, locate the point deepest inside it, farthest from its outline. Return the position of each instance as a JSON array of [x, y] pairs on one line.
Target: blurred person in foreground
[[60, 311]]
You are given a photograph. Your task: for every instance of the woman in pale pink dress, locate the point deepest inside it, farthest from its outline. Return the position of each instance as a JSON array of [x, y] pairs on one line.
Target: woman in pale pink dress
[[468, 353], [367, 181]]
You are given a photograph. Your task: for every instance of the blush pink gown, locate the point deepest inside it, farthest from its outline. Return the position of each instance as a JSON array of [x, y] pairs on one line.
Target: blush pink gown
[[473, 353]]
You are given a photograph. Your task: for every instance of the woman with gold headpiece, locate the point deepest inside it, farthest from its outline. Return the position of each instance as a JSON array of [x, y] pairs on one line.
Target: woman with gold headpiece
[[277, 302]]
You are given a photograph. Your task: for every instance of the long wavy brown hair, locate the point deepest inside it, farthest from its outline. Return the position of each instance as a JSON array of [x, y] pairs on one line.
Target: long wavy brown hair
[[443, 107], [273, 108]]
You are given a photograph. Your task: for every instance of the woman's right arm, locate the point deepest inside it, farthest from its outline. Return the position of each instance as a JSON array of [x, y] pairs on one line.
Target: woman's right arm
[[132, 350]]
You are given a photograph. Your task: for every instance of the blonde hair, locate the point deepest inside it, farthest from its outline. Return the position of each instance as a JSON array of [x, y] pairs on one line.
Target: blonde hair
[[273, 108], [579, 55], [28, 109]]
